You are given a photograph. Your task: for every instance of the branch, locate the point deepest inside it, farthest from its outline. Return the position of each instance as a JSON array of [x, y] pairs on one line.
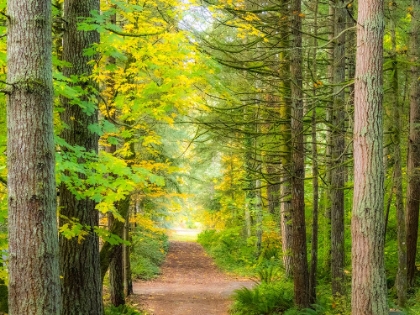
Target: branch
[[5, 15], [3, 181], [132, 35]]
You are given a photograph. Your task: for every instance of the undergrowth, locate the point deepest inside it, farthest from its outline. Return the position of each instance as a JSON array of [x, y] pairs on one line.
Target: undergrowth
[[122, 310], [273, 295], [264, 299], [233, 253], [148, 251]]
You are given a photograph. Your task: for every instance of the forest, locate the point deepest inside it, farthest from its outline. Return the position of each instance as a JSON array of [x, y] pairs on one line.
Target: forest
[[286, 131]]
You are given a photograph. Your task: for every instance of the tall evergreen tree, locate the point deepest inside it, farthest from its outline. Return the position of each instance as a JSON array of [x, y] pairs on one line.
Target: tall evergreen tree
[[34, 283], [338, 133], [299, 251], [413, 164], [368, 277]]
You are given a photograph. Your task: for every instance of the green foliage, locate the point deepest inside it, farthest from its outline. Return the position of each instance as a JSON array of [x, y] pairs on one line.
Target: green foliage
[[149, 248], [231, 251], [3, 297], [103, 178], [264, 299], [122, 309], [315, 310], [268, 273], [236, 253], [413, 304]]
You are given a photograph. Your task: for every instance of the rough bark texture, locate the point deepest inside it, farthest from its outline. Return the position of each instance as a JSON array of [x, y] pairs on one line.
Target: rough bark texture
[[315, 173], [34, 283], [368, 278], [116, 277], [299, 253], [285, 146], [116, 267], [413, 164], [81, 283], [338, 150]]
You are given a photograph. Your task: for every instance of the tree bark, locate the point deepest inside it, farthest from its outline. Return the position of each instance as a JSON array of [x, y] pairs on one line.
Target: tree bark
[[413, 164], [128, 282], [116, 266], [299, 251], [80, 268], [285, 146], [34, 283], [401, 276], [315, 173], [368, 278], [338, 150]]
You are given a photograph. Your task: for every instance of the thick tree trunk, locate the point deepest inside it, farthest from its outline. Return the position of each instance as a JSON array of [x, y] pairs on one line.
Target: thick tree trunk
[[413, 165], [299, 251], [368, 278], [80, 269], [34, 283], [338, 150]]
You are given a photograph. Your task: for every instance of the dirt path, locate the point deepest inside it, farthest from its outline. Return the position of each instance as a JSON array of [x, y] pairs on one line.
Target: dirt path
[[190, 284]]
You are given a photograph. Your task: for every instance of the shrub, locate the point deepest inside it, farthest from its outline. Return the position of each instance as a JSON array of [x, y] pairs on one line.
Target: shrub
[[264, 299], [231, 251], [148, 251], [122, 310]]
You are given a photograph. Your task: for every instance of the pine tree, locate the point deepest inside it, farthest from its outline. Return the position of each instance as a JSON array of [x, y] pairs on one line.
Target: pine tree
[[368, 277], [34, 283]]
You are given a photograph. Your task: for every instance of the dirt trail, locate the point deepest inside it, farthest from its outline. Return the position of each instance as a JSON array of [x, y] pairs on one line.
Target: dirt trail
[[190, 284]]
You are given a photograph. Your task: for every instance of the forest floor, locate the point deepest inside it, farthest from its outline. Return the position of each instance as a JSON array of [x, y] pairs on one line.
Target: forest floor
[[190, 284]]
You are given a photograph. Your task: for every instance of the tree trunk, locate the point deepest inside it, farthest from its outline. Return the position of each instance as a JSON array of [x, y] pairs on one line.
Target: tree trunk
[[116, 277], [413, 164], [338, 150], [80, 269], [401, 277], [315, 173], [285, 146], [299, 253], [34, 283], [128, 283], [258, 217], [273, 189], [368, 278], [116, 265]]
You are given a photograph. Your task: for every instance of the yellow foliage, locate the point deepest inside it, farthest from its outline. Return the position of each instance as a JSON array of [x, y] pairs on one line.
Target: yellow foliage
[[146, 223]]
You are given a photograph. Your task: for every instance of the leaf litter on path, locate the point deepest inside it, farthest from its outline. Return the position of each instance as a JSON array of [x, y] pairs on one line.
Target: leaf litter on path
[[190, 283]]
